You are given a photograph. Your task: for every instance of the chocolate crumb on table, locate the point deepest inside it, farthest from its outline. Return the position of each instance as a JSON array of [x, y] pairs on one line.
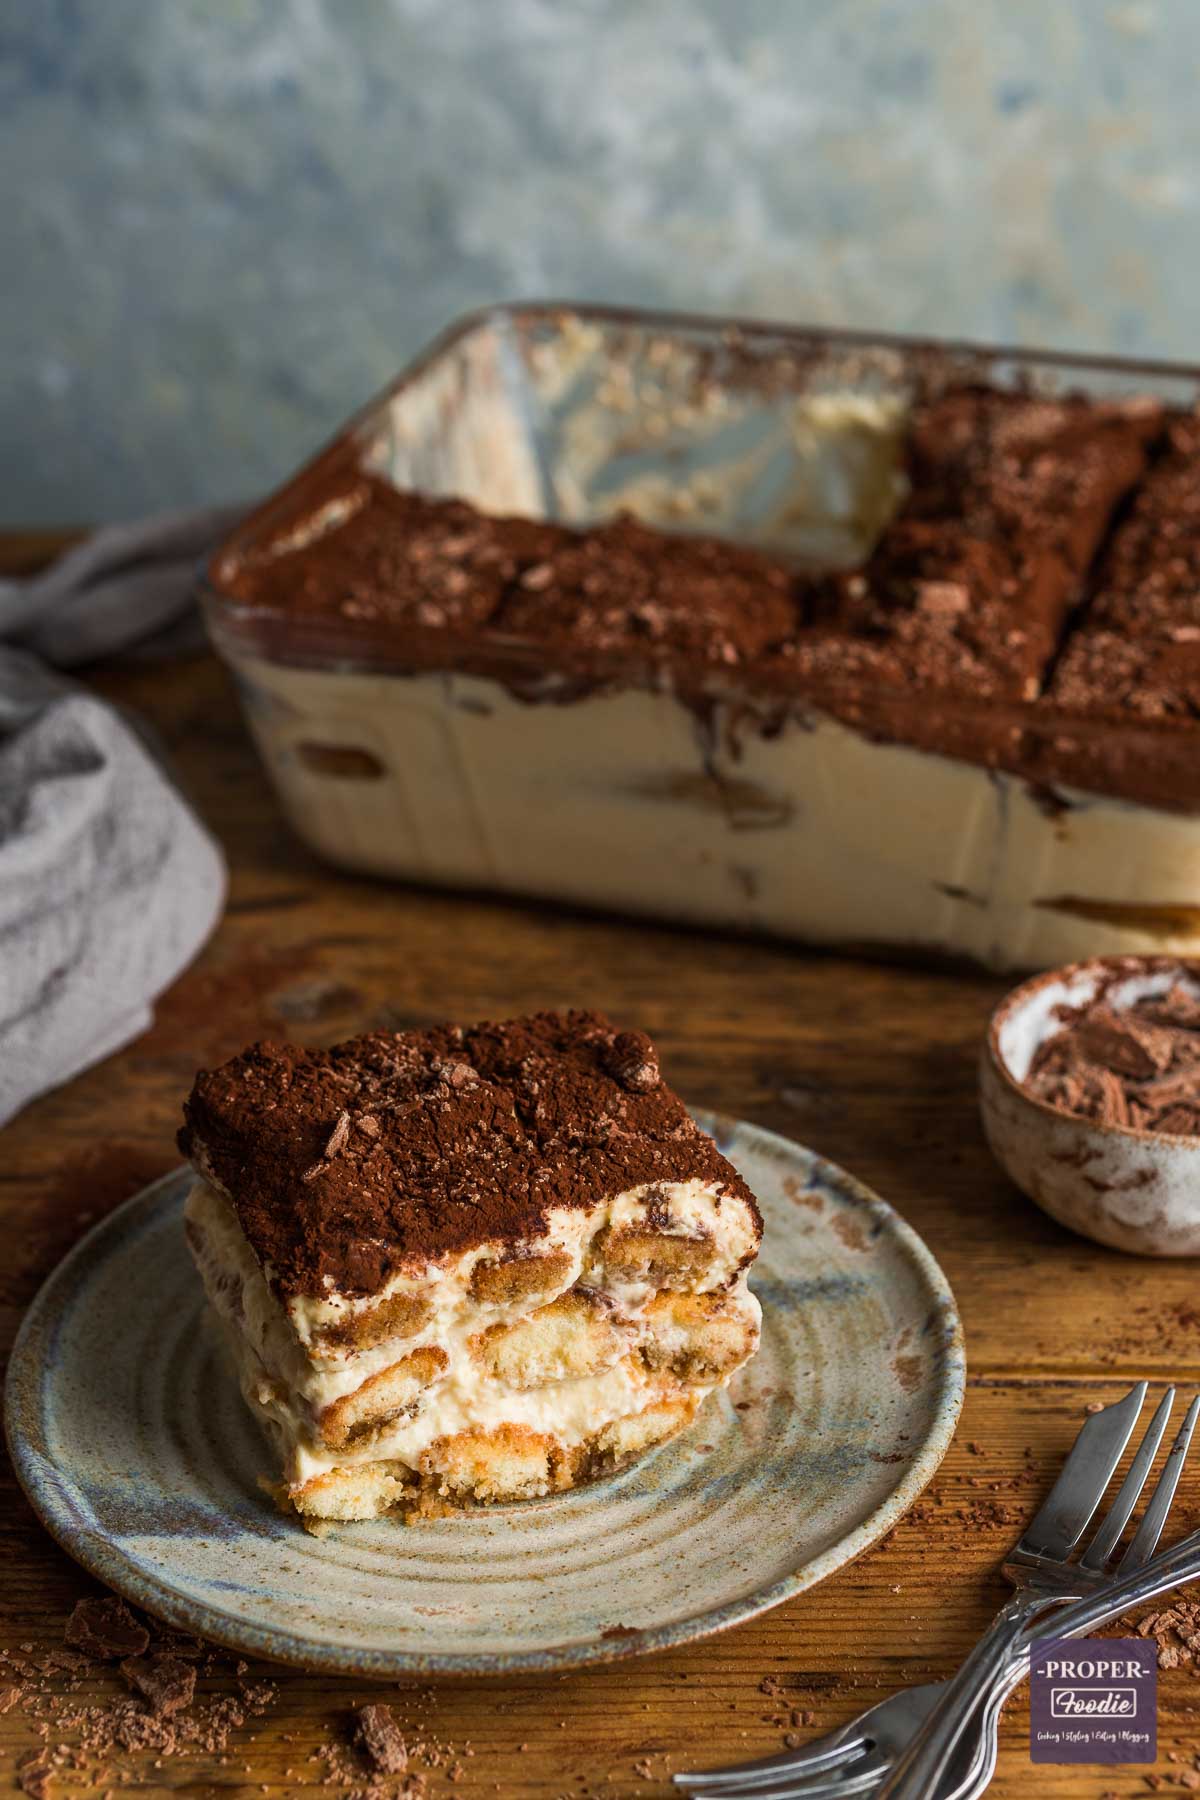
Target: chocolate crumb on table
[[1175, 1630], [1137, 1065], [165, 1683], [125, 1738], [382, 1739], [104, 1627], [34, 1773], [102, 1735]]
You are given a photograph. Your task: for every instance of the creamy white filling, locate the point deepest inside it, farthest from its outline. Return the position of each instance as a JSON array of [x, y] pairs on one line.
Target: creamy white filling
[[465, 1400], [283, 1379], [620, 800], [322, 1373]]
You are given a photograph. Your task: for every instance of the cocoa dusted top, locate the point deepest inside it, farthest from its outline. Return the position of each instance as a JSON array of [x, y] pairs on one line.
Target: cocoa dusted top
[[1139, 643], [343, 1163], [971, 585], [397, 565], [1032, 606]]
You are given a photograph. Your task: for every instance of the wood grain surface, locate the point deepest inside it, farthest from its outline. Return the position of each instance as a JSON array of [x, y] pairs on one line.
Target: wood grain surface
[[872, 1065]]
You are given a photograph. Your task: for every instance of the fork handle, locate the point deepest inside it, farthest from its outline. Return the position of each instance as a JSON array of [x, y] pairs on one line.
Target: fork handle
[[919, 1770], [1169, 1569]]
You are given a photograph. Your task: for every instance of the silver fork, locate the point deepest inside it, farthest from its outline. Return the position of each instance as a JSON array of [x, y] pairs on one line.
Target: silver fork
[[1171, 1569], [920, 1770], [855, 1759]]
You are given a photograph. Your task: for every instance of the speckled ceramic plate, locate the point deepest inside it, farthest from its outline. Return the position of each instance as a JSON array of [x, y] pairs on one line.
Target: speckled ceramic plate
[[131, 1440]]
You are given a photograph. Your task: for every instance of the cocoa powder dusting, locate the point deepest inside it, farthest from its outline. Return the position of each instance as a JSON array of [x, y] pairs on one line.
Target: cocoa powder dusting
[[1030, 606], [341, 1163], [438, 572], [1135, 1065]]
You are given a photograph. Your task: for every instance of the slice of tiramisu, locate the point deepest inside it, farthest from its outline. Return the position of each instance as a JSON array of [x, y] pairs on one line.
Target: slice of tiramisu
[[478, 1264]]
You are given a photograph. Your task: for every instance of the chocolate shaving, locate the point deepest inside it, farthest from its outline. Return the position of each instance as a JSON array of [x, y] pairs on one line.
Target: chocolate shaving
[[1177, 1121], [382, 1740], [34, 1773], [338, 1136], [632, 1061], [165, 1683], [1180, 1009], [105, 1628], [1136, 1066], [1116, 1045], [1168, 1090], [1114, 1107]]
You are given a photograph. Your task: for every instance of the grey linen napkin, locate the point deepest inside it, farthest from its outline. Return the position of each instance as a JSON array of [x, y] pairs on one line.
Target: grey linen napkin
[[109, 884]]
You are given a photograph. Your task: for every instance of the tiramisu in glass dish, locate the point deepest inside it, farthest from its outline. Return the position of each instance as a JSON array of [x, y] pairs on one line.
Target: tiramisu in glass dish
[[870, 643], [466, 1265]]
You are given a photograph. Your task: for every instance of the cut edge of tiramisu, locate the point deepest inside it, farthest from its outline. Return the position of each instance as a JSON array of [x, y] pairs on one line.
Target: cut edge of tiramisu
[[465, 1265]]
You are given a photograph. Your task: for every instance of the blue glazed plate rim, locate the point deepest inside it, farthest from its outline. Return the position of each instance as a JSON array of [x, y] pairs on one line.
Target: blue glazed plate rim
[[50, 1494]]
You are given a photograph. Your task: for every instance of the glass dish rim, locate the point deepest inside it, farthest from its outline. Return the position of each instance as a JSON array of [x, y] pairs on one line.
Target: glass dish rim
[[508, 312]]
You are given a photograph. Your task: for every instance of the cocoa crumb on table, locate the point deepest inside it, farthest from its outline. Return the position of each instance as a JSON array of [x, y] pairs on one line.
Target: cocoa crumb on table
[[157, 1715]]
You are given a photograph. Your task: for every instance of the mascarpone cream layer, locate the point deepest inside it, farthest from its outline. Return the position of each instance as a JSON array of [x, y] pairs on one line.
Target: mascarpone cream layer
[[815, 832], [288, 1386], [465, 1400], [283, 1336]]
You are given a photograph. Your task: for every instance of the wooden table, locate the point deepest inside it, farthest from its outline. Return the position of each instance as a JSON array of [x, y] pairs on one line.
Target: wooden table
[[873, 1066]]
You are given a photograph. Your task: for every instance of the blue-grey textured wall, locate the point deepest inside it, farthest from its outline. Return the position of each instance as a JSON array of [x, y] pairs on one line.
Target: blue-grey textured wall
[[225, 222]]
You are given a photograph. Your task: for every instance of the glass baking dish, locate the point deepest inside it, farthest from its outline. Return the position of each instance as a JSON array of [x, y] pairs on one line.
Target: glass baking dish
[[406, 759]]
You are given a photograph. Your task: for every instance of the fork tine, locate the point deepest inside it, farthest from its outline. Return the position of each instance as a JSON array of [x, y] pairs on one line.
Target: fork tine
[[1117, 1517], [1150, 1529], [1069, 1507], [840, 1747], [791, 1784], [830, 1790], [755, 1778]]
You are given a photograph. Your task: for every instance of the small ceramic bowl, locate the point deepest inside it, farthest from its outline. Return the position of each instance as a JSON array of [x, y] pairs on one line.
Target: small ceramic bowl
[[1136, 1190]]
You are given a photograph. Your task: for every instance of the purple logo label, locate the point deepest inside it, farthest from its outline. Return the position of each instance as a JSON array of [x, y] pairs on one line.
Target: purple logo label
[[1093, 1700]]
